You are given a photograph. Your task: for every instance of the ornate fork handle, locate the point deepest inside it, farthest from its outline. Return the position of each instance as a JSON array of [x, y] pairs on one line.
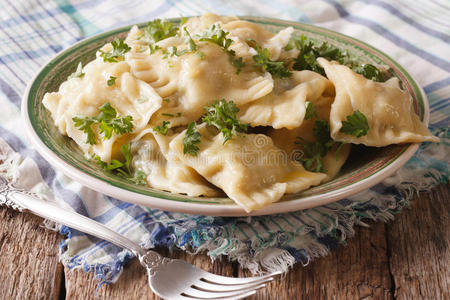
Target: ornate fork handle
[[6, 190], [153, 261], [23, 200]]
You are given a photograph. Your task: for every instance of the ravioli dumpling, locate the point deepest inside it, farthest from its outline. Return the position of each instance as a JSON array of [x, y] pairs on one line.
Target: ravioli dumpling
[[164, 170], [82, 97], [248, 168], [388, 109], [288, 140], [190, 82], [285, 106]]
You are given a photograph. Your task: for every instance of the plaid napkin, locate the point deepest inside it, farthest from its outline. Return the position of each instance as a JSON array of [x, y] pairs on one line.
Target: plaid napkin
[[415, 33]]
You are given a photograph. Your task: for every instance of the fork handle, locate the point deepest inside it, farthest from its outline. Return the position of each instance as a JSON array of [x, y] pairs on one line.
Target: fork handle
[[72, 219]]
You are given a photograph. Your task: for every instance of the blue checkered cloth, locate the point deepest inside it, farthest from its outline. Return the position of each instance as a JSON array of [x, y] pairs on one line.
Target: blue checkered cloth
[[415, 33]]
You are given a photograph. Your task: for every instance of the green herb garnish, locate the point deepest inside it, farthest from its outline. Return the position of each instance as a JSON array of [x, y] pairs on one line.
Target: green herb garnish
[[309, 52], [84, 124], [153, 48], [262, 59], [111, 81], [117, 53], [168, 115], [191, 139], [158, 30], [217, 36], [314, 152], [78, 73], [356, 125], [163, 128], [370, 72], [108, 121], [311, 111], [191, 46], [123, 169], [222, 115]]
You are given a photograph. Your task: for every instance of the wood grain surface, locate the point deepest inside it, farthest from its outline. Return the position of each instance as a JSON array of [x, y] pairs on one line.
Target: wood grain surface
[[408, 258]]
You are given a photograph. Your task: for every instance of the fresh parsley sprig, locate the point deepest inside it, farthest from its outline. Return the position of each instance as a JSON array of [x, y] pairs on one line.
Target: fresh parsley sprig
[[163, 128], [262, 59], [123, 169], [355, 124], [222, 115], [111, 81], [191, 46], [314, 152], [78, 73], [309, 52], [119, 48], [84, 124], [216, 35], [191, 140], [153, 48], [158, 30], [311, 111], [108, 121]]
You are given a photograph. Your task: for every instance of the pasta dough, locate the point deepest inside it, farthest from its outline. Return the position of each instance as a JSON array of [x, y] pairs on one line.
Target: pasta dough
[[83, 97], [388, 109], [164, 171], [285, 106], [249, 169]]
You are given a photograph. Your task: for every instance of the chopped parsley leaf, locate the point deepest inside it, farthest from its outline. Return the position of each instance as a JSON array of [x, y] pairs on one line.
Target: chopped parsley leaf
[[78, 73], [217, 36], [158, 30], [191, 139], [309, 52], [111, 81], [84, 124], [370, 72], [153, 48], [191, 46], [315, 151], [356, 124], [311, 111], [108, 121], [163, 128], [123, 169], [262, 59], [117, 53], [222, 115]]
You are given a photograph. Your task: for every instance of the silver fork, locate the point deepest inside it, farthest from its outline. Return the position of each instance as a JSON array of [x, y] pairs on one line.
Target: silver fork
[[168, 278]]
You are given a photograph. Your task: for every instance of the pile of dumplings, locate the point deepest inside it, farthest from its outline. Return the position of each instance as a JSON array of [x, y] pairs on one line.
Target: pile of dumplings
[[255, 168]]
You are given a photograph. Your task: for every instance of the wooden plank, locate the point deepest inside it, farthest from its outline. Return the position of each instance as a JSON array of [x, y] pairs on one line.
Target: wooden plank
[[358, 270], [29, 267], [133, 283], [419, 242]]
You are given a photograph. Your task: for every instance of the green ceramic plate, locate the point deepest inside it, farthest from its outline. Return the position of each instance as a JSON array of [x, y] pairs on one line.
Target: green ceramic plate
[[371, 166]]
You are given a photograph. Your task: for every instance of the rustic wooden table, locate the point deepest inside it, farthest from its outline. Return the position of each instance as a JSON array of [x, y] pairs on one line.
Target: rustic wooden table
[[408, 258]]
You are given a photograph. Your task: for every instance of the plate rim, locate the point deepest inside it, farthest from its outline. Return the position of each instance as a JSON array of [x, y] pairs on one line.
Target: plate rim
[[214, 209]]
